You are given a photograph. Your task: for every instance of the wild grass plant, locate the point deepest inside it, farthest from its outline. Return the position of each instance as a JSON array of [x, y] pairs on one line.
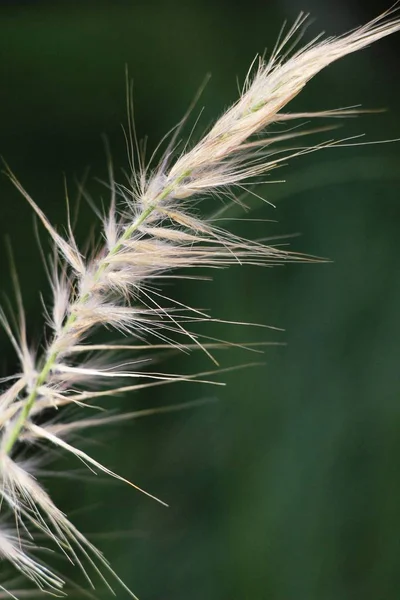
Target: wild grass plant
[[152, 226]]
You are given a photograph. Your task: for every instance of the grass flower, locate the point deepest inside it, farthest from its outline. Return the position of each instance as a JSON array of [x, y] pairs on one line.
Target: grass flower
[[151, 228]]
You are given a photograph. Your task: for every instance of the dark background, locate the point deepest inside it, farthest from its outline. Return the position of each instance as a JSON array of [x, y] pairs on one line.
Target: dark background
[[288, 487]]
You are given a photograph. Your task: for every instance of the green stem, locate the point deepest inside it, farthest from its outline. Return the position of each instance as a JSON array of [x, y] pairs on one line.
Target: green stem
[[52, 358]]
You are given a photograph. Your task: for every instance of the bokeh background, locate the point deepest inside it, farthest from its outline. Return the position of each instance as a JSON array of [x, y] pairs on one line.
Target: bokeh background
[[287, 487]]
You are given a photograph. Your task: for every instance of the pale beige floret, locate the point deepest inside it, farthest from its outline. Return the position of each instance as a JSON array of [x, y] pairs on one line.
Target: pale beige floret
[[275, 84], [12, 551]]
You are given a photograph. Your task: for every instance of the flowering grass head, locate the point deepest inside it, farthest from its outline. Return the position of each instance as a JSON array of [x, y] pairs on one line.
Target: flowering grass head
[[151, 227]]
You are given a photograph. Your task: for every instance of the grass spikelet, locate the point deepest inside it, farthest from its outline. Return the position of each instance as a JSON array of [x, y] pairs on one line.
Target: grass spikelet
[[151, 227]]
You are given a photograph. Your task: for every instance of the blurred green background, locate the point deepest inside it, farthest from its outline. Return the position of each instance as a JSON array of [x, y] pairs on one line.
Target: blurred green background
[[288, 487]]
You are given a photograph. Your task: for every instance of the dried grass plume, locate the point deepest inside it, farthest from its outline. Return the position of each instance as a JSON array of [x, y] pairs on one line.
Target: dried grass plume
[[152, 227]]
